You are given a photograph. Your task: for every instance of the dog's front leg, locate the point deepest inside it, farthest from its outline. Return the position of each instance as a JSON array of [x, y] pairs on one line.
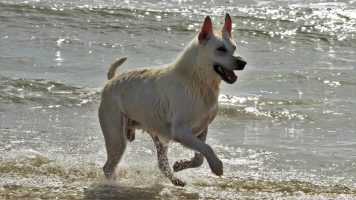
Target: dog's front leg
[[194, 162], [163, 163], [183, 135]]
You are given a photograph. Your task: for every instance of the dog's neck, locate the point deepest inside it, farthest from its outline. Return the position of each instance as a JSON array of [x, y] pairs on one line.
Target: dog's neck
[[192, 74]]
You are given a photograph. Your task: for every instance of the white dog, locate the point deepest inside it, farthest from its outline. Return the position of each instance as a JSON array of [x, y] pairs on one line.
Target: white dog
[[176, 102]]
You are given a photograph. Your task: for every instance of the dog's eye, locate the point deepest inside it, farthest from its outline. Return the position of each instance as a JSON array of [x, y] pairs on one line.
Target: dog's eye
[[221, 49]]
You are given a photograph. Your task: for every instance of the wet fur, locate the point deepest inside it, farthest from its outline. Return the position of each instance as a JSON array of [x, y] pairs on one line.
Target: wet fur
[[175, 102]]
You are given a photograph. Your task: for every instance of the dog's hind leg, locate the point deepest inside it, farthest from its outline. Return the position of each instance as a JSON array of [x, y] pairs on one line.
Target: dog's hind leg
[[194, 162], [113, 125], [163, 163]]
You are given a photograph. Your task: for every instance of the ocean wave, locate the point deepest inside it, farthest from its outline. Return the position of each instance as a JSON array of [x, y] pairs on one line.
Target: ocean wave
[[331, 79], [44, 93], [329, 23], [261, 108]]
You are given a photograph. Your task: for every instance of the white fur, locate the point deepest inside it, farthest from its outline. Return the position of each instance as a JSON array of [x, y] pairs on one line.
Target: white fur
[[175, 102]]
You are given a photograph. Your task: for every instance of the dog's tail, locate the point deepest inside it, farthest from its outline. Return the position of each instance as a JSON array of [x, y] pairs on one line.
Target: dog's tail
[[114, 66]]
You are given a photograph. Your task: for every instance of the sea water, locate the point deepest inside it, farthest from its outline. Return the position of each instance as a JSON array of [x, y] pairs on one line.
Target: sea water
[[285, 129]]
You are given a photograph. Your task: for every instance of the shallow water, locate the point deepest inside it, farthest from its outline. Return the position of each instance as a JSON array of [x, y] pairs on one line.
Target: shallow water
[[285, 130]]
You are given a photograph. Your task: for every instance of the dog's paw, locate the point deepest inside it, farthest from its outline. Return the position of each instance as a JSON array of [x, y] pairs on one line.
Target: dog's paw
[[217, 167], [179, 165], [178, 182]]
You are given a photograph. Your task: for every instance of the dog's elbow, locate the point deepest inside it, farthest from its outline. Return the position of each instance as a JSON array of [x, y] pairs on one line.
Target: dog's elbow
[[179, 132], [175, 134]]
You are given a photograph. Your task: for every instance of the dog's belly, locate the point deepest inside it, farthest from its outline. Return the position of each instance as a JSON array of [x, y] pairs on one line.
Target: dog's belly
[[151, 124], [149, 117], [161, 132]]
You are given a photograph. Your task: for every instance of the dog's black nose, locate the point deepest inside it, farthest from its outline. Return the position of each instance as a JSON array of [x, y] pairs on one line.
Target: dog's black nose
[[241, 63]]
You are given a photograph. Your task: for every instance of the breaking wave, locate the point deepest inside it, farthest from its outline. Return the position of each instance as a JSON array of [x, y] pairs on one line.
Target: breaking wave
[[42, 93], [262, 108]]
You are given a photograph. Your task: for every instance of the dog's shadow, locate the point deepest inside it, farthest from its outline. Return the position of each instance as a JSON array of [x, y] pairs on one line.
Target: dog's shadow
[[106, 190]]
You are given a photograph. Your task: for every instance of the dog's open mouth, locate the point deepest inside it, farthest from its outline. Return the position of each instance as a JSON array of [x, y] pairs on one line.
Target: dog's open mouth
[[227, 75]]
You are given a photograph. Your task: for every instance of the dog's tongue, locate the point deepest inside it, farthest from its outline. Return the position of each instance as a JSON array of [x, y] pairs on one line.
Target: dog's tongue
[[230, 75]]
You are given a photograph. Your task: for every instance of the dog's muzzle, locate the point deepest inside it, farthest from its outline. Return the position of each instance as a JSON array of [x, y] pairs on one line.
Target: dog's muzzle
[[228, 75], [240, 63]]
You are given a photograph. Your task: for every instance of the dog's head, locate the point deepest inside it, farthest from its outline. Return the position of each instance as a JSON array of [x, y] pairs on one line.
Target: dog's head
[[217, 51]]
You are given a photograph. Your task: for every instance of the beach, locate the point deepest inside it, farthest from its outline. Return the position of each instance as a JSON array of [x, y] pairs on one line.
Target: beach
[[284, 130]]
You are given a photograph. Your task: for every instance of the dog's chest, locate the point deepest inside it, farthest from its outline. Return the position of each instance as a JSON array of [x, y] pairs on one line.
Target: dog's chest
[[203, 121]]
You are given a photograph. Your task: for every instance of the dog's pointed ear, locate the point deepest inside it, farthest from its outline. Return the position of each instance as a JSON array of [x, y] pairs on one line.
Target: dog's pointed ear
[[228, 24], [206, 30]]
